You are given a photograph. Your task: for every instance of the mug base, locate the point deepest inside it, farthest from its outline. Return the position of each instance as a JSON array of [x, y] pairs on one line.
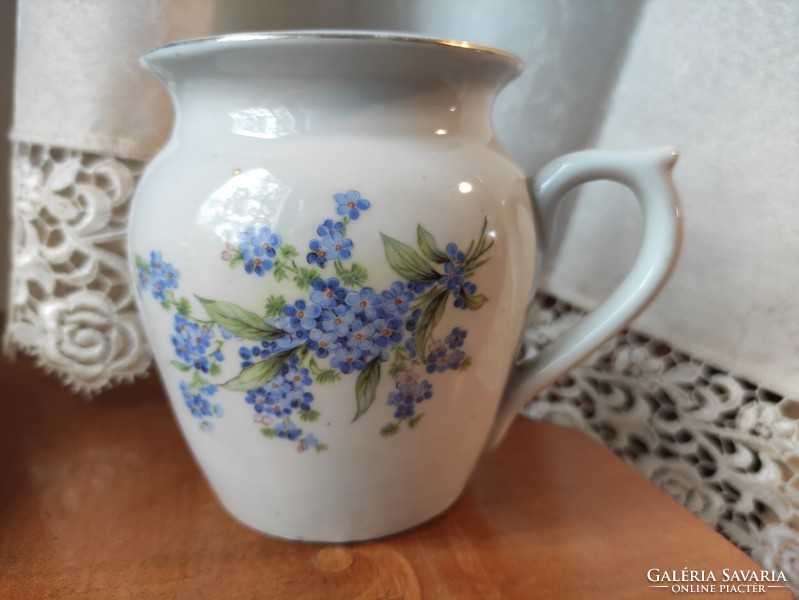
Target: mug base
[[342, 535]]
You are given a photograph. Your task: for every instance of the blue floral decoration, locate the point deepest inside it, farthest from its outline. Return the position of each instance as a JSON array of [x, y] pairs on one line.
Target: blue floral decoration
[[340, 327]]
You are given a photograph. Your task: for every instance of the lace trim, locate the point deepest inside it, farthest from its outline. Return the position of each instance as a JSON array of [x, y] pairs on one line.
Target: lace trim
[[71, 304], [724, 447]]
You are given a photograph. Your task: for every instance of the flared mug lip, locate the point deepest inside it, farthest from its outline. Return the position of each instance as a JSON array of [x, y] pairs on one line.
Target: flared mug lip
[[198, 45]]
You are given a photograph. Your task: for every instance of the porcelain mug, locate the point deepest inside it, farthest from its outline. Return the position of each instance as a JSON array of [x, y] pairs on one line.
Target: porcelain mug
[[334, 257]]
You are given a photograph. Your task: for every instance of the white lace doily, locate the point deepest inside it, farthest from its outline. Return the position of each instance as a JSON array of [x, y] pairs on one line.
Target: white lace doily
[[71, 305], [724, 447]]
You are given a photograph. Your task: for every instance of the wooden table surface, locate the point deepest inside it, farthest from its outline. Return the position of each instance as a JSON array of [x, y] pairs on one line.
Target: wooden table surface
[[102, 500]]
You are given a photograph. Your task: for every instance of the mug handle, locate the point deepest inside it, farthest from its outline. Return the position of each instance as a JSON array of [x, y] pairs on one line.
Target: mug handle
[[647, 173]]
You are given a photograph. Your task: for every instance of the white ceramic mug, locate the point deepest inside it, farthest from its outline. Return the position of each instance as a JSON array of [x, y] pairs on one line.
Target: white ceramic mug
[[334, 259]]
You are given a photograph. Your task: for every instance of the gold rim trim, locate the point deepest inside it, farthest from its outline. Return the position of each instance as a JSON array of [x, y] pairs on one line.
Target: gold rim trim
[[336, 35]]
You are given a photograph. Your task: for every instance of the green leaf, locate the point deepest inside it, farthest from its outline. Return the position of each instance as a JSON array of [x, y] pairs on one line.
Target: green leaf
[[268, 432], [289, 251], [281, 270], [465, 363], [396, 368], [183, 307], [179, 365], [425, 298], [240, 322], [305, 277], [320, 447], [366, 387], [309, 416], [407, 263], [197, 382], [260, 373], [142, 263], [414, 421], [275, 305], [428, 246], [431, 315], [328, 376], [355, 276], [390, 429], [236, 260], [474, 302], [215, 369]]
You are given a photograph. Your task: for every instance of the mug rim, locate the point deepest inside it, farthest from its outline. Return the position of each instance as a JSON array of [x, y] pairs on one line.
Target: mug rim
[[238, 39]]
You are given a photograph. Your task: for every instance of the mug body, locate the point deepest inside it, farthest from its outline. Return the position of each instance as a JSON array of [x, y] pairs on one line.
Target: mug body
[[334, 313]]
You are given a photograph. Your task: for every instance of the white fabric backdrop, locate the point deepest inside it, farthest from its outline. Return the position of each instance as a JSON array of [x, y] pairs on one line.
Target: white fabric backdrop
[[78, 82], [720, 80]]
